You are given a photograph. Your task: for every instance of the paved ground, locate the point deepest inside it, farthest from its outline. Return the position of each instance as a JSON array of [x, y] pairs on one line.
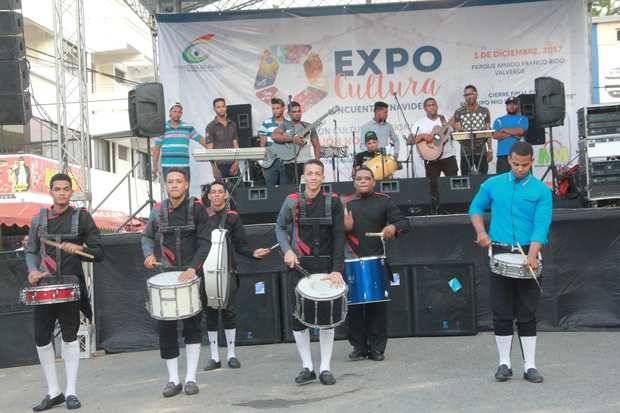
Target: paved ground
[[448, 374]]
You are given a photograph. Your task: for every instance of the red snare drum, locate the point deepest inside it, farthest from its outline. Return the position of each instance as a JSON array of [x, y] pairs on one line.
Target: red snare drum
[[50, 293]]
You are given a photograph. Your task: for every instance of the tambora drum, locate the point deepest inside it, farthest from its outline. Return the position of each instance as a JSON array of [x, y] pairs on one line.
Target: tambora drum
[[512, 266], [382, 166], [171, 299], [66, 290], [217, 273], [319, 304], [366, 280]]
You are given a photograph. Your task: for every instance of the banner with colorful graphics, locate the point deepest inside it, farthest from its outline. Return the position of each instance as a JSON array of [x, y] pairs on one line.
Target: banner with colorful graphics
[[354, 56]]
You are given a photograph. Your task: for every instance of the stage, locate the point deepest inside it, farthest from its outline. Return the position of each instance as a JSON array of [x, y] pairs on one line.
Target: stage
[[450, 374]]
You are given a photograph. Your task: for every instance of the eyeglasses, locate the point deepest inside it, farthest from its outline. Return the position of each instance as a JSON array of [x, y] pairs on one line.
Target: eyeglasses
[[469, 94]]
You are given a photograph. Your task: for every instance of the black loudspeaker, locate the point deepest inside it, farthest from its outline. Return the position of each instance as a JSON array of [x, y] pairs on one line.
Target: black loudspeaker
[[15, 76], [12, 47], [147, 116], [17, 346], [400, 314], [11, 23], [258, 310], [15, 109], [10, 4], [535, 134], [444, 300], [242, 116], [550, 102]]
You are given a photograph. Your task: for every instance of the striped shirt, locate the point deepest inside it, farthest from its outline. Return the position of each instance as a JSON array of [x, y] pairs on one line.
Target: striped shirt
[[267, 128], [174, 144]]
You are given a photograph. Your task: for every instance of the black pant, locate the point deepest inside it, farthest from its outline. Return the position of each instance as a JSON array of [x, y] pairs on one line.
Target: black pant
[[367, 327], [168, 335], [433, 171], [513, 298], [502, 165], [477, 160], [229, 314], [45, 316]]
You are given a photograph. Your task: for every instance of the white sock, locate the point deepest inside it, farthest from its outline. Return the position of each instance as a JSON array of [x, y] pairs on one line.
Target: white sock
[[302, 340], [192, 354], [215, 354], [71, 354], [48, 363], [528, 344], [504, 345], [173, 370], [326, 340], [230, 342]]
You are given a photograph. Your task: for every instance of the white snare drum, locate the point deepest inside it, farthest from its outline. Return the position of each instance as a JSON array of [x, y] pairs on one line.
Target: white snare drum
[[319, 304], [513, 266], [170, 299]]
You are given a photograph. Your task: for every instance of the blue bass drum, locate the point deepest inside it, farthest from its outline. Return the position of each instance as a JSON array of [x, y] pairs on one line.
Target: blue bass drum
[[367, 280]]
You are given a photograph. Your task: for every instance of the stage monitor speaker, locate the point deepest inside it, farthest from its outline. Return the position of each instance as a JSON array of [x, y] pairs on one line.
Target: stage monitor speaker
[[444, 300], [550, 102], [400, 314], [15, 109], [242, 116], [535, 135], [11, 23], [12, 47], [147, 116], [14, 76]]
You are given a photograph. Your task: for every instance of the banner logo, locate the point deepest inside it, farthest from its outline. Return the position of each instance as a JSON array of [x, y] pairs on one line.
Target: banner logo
[[301, 54], [195, 53]]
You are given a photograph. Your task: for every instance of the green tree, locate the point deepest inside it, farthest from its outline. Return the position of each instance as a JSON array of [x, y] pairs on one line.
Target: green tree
[[605, 7]]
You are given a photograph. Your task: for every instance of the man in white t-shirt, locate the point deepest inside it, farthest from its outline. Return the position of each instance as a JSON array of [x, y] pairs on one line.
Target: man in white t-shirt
[[446, 163]]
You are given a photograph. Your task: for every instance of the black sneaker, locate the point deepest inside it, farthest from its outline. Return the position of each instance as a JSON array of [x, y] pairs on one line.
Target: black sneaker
[[234, 363], [212, 365], [376, 356], [73, 402], [49, 402], [533, 376], [503, 373], [327, 378], [172, 389], [305, 376], [357, 355], [191, 388]]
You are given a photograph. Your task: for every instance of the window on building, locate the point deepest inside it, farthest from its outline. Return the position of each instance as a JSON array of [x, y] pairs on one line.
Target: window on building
[[102, 155], [123, 152], [140, 169], [120, 76]]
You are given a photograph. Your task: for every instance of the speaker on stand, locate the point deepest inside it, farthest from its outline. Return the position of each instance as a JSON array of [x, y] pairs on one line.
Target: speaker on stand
[[535, 134]]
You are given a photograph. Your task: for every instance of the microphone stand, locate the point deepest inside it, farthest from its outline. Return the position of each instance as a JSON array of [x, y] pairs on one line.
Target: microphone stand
[[337, 170], [400, 108]]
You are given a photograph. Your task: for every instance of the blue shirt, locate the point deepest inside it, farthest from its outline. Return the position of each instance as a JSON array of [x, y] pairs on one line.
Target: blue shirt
[[509, 121], [174, 144], [520, 210]]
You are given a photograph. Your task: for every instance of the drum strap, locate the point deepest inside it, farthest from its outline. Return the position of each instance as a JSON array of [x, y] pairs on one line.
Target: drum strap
[[315, 223], [44, 234], [177, 230]]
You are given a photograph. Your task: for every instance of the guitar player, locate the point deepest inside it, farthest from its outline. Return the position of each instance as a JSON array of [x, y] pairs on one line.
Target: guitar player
[[304, 148], [446, 162]]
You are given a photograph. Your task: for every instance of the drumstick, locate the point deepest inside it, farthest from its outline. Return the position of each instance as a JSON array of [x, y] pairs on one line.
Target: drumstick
[[529, 266], [374, 234], [274, 247], [57, 245]]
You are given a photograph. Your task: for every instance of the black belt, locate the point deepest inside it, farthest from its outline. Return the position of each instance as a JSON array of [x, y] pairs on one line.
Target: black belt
[[499, 248]]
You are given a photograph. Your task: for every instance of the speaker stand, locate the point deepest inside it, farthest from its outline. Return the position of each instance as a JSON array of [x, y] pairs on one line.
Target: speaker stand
[[552, 167]]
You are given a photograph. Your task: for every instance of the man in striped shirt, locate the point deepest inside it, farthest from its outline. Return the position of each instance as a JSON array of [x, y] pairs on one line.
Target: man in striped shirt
[[174, 144], [275, 174]]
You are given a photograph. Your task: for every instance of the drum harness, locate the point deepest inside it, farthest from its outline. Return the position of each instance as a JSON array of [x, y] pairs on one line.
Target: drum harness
[[44, 234], [177, 230]]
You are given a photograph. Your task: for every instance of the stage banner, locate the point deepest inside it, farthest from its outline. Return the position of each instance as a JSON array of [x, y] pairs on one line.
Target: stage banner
[[352, 56]]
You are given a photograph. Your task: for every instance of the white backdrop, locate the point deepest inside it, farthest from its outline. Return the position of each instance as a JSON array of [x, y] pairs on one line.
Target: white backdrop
[[354, 59]]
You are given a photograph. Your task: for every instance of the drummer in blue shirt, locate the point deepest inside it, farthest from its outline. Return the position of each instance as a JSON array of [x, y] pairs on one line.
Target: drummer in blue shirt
[[521, 210], [509, 129]]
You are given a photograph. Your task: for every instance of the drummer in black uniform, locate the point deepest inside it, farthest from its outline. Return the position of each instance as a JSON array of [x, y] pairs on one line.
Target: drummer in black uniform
[[73, 228], [180, 226], [220, 215], [310, 231], [369, 211]]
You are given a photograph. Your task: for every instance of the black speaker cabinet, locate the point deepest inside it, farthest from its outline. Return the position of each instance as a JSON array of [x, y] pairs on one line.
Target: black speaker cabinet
[[261, 204], [10, 4], [12, 47], [242, 116], [14, 75], [400, 314], [535, 134], [17, 346], [147, 116], [11, 23], [15, 109], [444, 299], [550, 102], [258, 310]]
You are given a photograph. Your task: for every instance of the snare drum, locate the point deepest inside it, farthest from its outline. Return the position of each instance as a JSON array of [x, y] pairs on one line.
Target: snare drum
[[382, 166], [66, 292], [367, 280], [512, 266], [170, 299], [319, 304]]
